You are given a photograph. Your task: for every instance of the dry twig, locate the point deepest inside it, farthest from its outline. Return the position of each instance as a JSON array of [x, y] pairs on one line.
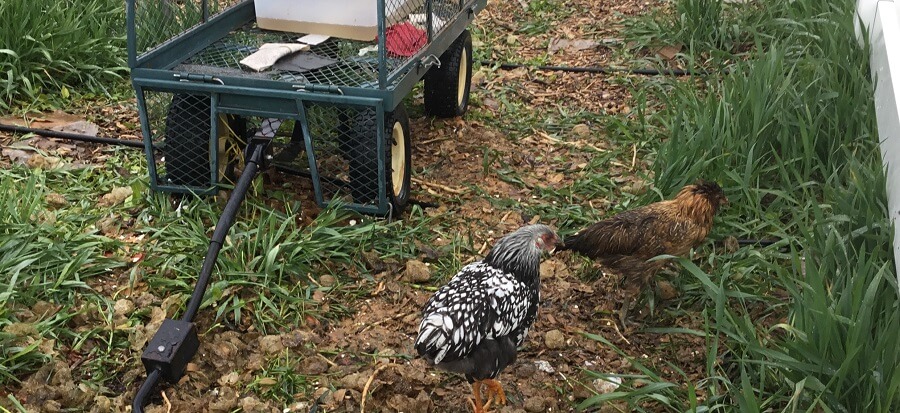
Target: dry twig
[[444, 188], [576, 144], [362, 404]]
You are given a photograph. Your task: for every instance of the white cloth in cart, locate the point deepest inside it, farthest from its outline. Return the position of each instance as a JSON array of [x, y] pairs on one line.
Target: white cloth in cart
[[269, 53]]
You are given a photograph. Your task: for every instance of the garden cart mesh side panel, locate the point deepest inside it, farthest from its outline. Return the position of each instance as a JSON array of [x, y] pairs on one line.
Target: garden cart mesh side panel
[[335, 122]]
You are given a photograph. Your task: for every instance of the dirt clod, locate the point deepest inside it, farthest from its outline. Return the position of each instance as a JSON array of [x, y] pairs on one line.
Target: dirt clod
[[327, 280], [38, 161], [271, 344], [554, 339], [667, 291], [123, 307], [581, 130], [115, 197], [251, 404], [535, 404], [55, 201], [416, 271]]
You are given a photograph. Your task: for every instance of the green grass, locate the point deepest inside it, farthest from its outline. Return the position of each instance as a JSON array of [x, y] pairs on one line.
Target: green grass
[[51, 50], [45, 257], [790, 133]]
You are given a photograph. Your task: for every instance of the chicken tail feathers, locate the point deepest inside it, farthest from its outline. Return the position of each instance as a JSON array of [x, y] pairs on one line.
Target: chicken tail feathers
[[432, 342]]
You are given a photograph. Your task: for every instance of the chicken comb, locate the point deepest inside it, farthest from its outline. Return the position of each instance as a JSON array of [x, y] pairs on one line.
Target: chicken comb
[[703, 186]]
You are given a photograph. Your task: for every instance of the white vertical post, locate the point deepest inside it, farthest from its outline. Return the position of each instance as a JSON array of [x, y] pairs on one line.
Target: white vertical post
[[882, 18]]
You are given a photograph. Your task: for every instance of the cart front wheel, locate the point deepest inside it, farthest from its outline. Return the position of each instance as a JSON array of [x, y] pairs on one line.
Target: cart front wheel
[[364, 159], [447, 87]]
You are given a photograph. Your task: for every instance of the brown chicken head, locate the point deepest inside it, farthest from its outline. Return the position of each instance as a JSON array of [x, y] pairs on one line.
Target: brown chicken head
[[711, 191]]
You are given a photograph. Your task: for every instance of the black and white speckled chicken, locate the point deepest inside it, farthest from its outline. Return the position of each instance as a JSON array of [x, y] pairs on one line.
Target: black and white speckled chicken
[[474, 324]]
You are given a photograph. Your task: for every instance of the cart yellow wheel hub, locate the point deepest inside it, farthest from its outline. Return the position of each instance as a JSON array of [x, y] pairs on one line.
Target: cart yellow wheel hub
[[461, 82], [398, 158]]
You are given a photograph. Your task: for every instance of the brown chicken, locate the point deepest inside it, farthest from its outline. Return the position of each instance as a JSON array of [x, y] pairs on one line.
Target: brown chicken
[[625, 242]]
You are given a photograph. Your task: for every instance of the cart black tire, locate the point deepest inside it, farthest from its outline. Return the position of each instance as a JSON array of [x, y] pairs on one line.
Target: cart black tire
[[364, 159], [447, 87], [186, 149]]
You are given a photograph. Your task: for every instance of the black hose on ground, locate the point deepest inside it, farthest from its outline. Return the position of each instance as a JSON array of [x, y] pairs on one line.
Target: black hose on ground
[[222, 228], [596, 69], [143, 393], [215, 245], [71, 136]]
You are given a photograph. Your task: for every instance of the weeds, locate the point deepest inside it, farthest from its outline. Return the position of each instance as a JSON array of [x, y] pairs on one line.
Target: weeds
[[44, 264], [50, 50], [791, 130]]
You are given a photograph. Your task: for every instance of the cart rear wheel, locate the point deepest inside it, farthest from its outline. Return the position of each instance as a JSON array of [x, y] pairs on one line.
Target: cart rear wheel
[[447, 87], [364, 159]]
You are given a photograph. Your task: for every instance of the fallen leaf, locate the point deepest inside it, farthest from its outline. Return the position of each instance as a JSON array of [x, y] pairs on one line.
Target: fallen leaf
[[17, 155], [668, 52], [572, 45], [81, 127]]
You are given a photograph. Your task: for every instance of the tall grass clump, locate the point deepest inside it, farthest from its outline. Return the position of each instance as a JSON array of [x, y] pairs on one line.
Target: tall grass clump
[[43, 258], [50, 48], [270, 267], [790, 132]]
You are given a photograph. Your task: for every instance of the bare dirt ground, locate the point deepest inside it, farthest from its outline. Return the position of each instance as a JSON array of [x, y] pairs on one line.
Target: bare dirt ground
[[367, 358]]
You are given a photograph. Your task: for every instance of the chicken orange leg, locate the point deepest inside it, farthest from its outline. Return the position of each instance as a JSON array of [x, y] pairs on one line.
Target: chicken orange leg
[[495, 393], [477, 405]]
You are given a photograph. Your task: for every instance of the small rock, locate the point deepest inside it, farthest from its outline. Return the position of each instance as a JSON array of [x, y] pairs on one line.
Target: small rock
[[544, 366], [554, 339], [478, 78], [551, 268], [123, 307], [51, 406], [581, 130], [21, 330], [251, 404], [667, 291], [115, 197], [225, 401], [607, 385], [526, 370], [55, 201], [373, 262], [355, 381], [109, 225], [102, 404], [416, 272], [297, 338], [327, 280], [637, 187], [534, 404], [229, 379], [271, 344], [731, 244], [314, 366], [38, 161]]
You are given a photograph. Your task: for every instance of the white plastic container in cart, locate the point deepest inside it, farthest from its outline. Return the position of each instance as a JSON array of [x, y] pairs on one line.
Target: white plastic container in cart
[[348, 19]]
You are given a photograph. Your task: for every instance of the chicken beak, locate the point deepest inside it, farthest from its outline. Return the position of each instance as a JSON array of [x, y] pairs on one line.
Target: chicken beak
[[553, 244]]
